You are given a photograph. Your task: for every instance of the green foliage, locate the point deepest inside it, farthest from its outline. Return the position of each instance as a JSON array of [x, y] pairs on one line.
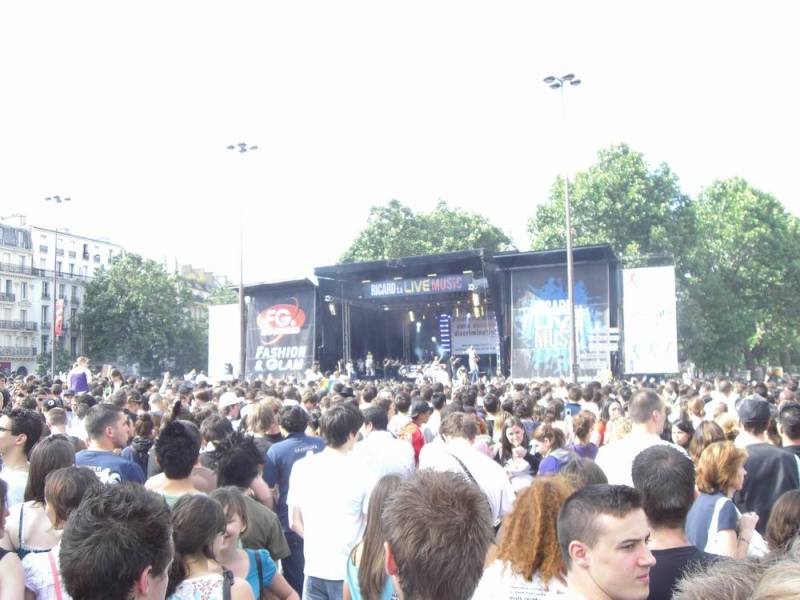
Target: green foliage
[[619, 201], [394, 231], [222, 295], [135, 312], [745, 271], [63, 361]]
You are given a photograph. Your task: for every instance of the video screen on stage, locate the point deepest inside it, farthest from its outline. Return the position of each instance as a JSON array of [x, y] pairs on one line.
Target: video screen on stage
[[540, 320]]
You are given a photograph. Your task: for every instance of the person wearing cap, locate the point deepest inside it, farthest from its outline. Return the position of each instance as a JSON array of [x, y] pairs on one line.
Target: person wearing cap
[[230, 405], [770, 470], [411, 432]]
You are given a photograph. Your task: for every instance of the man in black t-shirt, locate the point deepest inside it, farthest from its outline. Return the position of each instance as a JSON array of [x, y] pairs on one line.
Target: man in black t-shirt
[[666, 478], [789, 427]]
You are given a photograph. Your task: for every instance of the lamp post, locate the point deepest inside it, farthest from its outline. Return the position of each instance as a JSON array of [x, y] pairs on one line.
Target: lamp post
[[559, 83], [57, 200], [242, 148]]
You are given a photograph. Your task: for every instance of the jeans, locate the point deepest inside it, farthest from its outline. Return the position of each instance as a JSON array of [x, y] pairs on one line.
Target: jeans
[[295, 563], [322, 589]]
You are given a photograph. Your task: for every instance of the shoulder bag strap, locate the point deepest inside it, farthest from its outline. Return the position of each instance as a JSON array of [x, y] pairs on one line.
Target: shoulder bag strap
[[260, 573], [56, 581], [227, 581], [465, 469]]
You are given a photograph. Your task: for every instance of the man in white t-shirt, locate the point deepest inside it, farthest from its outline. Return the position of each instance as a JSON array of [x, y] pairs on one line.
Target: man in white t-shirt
[[648, 414], [327, 503]]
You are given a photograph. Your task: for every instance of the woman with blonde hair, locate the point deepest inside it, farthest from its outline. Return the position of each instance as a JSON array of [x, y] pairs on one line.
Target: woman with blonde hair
[[714, 524], [80, 377], [527, 563]]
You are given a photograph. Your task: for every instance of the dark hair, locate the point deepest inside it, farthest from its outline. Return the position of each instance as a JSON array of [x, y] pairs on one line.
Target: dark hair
[[402, 402], [144, 426], [666, 477], [26, 422], [506, 445], [177, 448], [339, 423], [237, 459], [232, 500], [196, 520], [293, 419], [101, 416], [582, 424], [706, 433], [685, 426], [65, 488], [377, 416], [604, 412], [784, 521], [439, 528], [581, 472], [116, 533], [577, 519], [51, 453], [215, 427], [789, 419]]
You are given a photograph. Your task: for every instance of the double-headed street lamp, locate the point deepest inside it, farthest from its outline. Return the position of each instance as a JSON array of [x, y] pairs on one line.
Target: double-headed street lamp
[[242, 148], [559, 83], [57, 200]]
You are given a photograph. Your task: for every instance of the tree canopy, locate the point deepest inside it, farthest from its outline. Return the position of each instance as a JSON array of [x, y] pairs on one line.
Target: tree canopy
[[394, 230], [734, 249], [621, 202], [135, 312]]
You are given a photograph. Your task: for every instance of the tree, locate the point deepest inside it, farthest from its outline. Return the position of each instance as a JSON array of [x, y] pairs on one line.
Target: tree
[[45, 361], [394, 231], [744, 275], [641, 213], [222, 295], [135, 312]]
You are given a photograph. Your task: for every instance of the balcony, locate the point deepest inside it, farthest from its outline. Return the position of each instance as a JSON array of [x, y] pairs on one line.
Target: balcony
[[74, 301], [7, 297], [19, 325], [43, 248], [46, 326], [85, 256], [19, 269], [18, 351], [45, 295], [59, 252], [97, 258], [72, 254]]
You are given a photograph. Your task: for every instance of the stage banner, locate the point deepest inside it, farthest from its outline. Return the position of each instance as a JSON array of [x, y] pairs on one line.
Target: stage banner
[[540, 314], [280, 333], [466, 331], [651, 325]]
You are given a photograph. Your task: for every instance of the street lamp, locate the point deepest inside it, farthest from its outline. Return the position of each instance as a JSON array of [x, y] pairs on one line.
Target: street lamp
[[559, 83], [57, 200], [242, 148]]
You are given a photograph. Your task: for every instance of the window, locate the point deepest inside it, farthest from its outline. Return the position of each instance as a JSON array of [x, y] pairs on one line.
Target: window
[[45, 344], [45, 289], [58, 267], [71, 269], [23, 290], [62, 290], [72, 314], [43, 263], [45, 314], [74, 292], [23, 315], [73, 346], [9, 286]]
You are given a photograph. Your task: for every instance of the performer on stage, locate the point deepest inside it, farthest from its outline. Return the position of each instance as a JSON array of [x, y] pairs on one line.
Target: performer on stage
[[369, 364], [474, 373]]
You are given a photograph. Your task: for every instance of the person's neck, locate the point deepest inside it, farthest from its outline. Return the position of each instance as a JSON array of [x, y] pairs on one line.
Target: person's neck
[[15, 461], [178, 487], [747, 438], [788, 442], [665, 539], [101, 446], [588, 590], [197, 566], [642, 429]]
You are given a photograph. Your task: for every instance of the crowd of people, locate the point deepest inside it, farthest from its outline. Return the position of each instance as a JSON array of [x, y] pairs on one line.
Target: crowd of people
[[379, 489]]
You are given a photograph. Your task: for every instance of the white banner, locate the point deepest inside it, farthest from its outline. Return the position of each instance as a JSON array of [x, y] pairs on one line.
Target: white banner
[[466, 331], [651, 326]]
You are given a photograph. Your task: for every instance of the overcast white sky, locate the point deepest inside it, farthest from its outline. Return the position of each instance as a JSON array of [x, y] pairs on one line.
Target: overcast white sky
[[128, 108]]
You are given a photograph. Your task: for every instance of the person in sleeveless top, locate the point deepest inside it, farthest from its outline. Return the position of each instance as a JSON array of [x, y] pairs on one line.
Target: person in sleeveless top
[[80, 376], [11, 575]]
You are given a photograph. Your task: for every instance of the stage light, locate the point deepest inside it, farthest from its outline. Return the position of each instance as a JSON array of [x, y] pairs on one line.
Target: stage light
[[476, 298], [411, 316], [332, 308]]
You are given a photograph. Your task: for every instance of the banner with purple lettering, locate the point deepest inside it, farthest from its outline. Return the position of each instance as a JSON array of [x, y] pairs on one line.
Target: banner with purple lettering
[[540, 315], [280, 333]]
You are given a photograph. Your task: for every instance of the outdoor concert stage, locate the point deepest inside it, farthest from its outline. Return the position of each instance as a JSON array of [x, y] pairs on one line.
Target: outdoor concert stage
[[511, 306]]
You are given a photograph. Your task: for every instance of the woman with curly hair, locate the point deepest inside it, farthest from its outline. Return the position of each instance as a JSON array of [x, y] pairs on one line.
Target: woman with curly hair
[[527, 563]]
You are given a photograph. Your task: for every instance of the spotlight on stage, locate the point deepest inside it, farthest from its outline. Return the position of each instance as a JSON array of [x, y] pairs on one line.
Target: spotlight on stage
[[332, 308], [411, 316]]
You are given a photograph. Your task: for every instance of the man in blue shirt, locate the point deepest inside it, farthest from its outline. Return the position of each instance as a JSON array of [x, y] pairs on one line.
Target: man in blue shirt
[[281, 458], [108, 428]]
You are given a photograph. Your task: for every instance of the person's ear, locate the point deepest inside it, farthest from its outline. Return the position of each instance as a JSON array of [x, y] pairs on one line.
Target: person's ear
[[579, 554], [391, 565], [143, 582]]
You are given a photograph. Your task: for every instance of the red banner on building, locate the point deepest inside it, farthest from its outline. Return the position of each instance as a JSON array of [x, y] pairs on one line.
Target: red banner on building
[[59, 316]]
